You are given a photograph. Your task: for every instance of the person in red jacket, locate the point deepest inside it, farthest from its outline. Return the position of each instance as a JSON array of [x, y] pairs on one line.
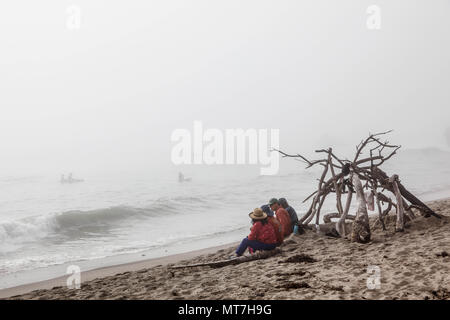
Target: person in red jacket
[[275, 224], [282, 216], [262, 235]]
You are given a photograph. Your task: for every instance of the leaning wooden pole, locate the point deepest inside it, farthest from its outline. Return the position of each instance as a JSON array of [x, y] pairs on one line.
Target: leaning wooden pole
[[400, 223], [335, 183], [361, 228], [381, 176], [340, 225]]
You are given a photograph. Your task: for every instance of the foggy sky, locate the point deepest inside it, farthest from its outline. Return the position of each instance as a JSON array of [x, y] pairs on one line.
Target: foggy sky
[[108, 96]]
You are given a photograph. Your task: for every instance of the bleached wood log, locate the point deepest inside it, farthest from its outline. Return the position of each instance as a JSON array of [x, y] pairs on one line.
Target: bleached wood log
[[222, 263], [340, 225], [400, 223], [380, 211], [335, 183], [312, 210], [408, 212], [320, 208], [383, 178], [361, 228], [335, 215]]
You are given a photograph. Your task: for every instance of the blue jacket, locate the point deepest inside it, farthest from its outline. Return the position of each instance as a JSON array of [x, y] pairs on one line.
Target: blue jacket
[[292, 215]]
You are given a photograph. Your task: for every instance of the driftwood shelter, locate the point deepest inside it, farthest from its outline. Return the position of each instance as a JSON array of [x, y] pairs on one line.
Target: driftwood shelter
[[363, 177]]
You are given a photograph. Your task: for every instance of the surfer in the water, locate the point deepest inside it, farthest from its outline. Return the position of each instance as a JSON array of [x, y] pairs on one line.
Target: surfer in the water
[[70, 179], [181, 178]]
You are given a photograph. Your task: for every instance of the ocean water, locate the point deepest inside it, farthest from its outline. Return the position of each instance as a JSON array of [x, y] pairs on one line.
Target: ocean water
[[115, 219]]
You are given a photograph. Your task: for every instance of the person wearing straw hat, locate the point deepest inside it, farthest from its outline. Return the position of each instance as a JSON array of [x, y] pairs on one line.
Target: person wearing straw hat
[[262, 235]]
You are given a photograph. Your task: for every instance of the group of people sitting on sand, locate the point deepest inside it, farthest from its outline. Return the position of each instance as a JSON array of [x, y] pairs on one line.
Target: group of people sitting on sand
[[270, 225]]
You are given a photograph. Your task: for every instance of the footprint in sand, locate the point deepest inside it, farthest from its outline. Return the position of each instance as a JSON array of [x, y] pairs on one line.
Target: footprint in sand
[[418, 277], [403, 252], [397, 272], [402, 283], [407, 274]]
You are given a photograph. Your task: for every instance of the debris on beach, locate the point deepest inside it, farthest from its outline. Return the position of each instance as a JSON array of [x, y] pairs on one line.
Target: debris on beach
[[299, 258], [442, 254], [294, 285], [441, 294]]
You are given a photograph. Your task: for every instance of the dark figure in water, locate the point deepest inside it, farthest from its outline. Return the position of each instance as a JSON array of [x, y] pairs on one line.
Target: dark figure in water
[[70, 179], [181, 178]]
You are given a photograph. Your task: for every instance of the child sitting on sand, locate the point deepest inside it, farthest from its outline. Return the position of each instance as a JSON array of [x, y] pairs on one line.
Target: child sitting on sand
[[262, 235]]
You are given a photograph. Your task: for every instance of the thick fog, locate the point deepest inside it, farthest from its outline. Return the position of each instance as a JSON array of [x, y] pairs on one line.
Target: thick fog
[[104, 92]]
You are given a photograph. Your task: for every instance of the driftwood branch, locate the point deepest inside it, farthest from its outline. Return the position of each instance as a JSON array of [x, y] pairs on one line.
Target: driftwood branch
[[340, 225], [222, 263], [370, 154], [400, 224], [361, 228], [335, 215]]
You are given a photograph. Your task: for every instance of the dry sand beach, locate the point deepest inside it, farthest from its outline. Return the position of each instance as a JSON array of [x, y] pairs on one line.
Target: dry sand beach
[[414, 264]]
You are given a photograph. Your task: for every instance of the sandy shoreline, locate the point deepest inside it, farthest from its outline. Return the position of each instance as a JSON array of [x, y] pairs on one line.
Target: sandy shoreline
[[111, 270], [413, 265]]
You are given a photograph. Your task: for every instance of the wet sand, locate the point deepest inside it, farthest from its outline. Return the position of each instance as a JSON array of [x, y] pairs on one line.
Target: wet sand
[[414, 264], [110, 271]]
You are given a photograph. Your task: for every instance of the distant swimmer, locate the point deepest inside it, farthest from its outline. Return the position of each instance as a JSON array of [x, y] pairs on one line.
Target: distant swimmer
[[70, 179], [181, 178]]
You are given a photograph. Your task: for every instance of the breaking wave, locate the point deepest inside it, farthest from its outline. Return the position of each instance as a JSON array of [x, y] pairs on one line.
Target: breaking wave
[[75, 222]]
